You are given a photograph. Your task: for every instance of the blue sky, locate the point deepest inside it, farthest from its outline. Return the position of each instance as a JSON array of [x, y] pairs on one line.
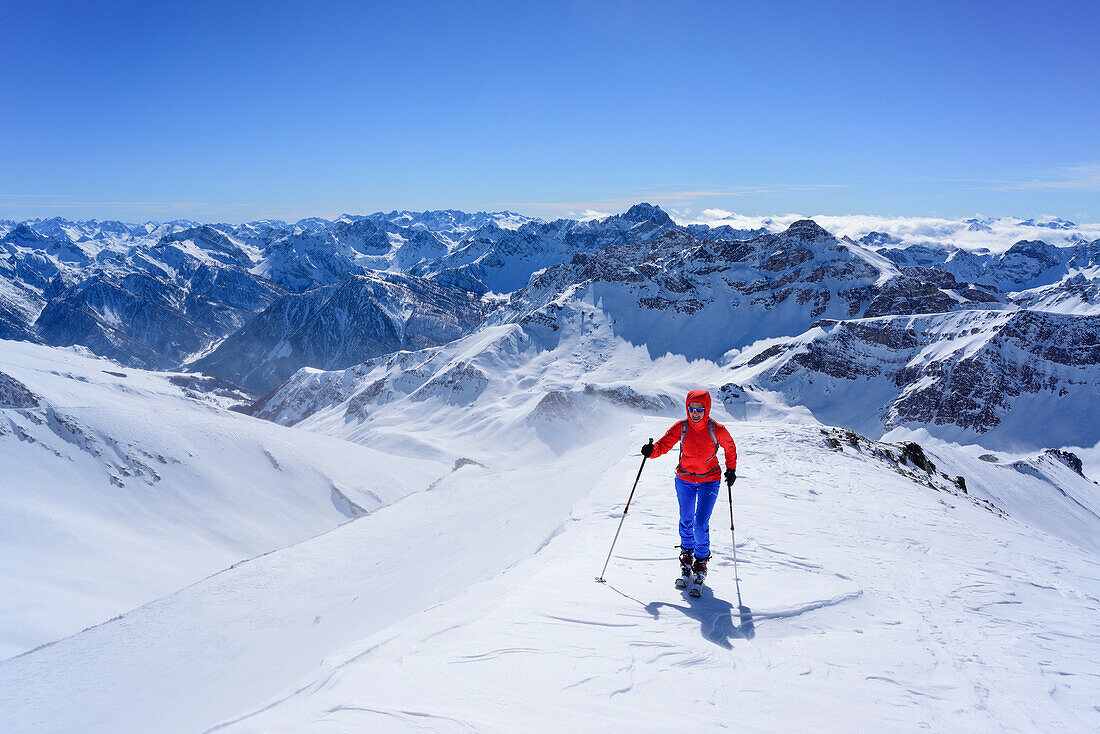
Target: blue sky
[[239, 111]]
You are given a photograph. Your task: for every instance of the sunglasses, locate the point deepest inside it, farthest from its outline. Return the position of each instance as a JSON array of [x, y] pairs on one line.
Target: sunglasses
[[696, 410]]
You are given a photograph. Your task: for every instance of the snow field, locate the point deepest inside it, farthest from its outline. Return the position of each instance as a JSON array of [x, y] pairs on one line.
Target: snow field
[[223, 645], [868, 602]]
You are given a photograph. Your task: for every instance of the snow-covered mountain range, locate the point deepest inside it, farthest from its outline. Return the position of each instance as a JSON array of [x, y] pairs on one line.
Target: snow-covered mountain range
[[251, 303], [317, 412]]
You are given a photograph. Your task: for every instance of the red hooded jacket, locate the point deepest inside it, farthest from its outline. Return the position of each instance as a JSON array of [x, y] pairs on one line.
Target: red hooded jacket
[[699, 459]]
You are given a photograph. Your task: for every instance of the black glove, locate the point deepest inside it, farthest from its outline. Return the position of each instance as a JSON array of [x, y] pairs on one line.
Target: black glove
[[731, 476], [647, 450]]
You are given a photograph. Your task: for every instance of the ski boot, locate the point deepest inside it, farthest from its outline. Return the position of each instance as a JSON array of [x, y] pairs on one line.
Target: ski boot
[[698, 576], [685, 570]]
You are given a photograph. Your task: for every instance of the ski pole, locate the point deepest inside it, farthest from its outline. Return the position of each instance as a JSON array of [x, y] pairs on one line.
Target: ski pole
[[600, 578], [733, 534]]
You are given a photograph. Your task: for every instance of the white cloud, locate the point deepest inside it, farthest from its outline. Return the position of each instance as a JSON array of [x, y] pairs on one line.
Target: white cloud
[[588, 214], [996, 235]]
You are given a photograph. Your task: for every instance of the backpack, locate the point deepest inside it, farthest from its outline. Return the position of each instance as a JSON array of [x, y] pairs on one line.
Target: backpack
[[683, 435]]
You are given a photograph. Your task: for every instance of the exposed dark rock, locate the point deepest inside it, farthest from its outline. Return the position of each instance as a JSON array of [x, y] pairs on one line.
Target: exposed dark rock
[[14, 394], [914, 454], [555, 406], [629, 398], [1068, 458]]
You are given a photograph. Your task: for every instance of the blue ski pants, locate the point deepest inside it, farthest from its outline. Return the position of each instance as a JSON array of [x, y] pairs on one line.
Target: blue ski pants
[[696, 503]]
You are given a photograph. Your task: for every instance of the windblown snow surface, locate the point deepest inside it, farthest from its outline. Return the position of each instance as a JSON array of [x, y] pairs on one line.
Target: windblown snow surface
[[873, 595], [120, 486]]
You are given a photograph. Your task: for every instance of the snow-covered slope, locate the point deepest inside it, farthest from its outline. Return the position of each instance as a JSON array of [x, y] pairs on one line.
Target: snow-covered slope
[[19, 307], [120, 486], [502, 386], [1076, 293], [868, 600]]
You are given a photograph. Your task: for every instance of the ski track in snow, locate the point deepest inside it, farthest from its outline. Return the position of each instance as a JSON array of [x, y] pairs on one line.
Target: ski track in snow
[[867, 602]]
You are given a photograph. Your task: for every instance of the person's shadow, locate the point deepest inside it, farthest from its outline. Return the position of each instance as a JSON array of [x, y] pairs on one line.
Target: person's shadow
[[716, 617]]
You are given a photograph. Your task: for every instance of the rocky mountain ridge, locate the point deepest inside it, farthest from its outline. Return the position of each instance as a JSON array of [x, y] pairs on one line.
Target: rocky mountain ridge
[[729, 293], [1007, 378]]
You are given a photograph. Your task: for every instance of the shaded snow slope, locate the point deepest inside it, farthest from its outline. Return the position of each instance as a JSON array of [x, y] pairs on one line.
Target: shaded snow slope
[[120, 486], [340, 325], [1046, 490], [19, 307]]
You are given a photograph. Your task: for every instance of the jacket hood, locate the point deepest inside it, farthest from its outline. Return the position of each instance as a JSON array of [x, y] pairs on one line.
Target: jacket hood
[[700, 396]]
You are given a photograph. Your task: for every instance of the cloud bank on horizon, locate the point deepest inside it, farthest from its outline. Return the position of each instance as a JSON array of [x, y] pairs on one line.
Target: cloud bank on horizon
[[993, 233]]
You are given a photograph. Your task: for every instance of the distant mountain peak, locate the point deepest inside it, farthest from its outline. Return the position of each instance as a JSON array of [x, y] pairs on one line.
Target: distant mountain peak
[[646, 212], [809, 230], [23, 231], [879, 239], [1031, 246]]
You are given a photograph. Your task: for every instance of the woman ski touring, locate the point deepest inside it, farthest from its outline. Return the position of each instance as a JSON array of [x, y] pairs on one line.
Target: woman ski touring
[[698, 479]]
